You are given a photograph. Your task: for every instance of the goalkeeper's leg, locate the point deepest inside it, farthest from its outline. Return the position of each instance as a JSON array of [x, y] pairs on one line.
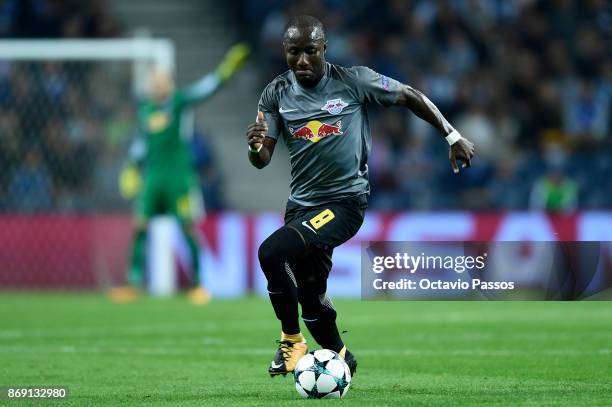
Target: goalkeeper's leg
[[135, 273], [198, 295], [184, 201], [135, 277]]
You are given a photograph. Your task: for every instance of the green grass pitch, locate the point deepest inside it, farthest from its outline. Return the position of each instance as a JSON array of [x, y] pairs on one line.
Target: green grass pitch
[[170, 353]]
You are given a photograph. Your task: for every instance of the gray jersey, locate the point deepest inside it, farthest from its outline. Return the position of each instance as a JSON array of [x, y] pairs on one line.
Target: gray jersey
[[326, 129]]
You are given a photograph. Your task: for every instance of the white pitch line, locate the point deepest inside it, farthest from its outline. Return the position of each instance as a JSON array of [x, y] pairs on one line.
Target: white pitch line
[[268, 351], [102, 332], [11, 334], [203, 333]]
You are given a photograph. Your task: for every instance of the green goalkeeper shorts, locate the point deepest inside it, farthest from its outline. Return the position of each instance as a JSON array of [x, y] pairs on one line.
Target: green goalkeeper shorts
[[174, 194]]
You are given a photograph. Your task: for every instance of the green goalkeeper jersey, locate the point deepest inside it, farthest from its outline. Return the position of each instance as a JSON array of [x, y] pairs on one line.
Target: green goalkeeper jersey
[[161, 125], [165, 129], [164, 149]]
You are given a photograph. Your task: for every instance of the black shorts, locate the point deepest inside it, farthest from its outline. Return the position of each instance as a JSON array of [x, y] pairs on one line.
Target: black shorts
[[322, 228]]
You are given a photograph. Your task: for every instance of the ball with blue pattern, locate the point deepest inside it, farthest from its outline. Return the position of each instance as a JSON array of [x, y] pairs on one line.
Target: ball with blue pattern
[[322, 374]]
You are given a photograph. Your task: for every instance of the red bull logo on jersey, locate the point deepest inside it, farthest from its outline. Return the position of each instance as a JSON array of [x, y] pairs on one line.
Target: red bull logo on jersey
[[315, 130]]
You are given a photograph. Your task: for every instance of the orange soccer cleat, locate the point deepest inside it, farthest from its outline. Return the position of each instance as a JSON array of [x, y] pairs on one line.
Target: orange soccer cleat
[[199, 296]]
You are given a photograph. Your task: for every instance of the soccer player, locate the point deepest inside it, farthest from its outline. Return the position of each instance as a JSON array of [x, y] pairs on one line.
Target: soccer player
[[319, 110], [170, 182]]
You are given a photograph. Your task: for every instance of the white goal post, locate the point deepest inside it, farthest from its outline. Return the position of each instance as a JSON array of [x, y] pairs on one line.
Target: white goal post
[[145, 52]]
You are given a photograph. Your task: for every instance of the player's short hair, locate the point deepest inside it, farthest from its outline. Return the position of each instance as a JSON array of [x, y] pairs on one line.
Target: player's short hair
[[305, 24]]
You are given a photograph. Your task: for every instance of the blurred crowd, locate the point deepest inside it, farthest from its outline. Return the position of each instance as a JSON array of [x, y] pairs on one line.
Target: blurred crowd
[[65, 127], [59, 125], [55, 118], [65, 132], [57, 19], [528, 81]]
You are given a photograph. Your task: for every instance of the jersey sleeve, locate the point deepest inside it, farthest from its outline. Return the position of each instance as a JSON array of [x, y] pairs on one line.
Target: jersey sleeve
[[201, 89], [268, 104], [373, 87]]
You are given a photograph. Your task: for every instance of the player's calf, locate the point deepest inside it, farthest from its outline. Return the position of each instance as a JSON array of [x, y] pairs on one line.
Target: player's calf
[[319, 316]]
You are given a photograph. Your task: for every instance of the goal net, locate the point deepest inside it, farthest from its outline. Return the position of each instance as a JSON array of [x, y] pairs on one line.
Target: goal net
[[67, 115]]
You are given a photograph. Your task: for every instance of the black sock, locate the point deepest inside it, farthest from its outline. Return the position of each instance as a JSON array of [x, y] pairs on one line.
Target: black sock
[[319, 316], [325, 332]]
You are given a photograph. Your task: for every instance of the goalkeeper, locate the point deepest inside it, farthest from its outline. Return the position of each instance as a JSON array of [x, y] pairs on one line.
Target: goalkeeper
[[170, 183]]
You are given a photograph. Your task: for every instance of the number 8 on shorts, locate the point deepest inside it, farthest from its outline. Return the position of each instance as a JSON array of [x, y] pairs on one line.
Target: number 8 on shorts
[[322, 218]]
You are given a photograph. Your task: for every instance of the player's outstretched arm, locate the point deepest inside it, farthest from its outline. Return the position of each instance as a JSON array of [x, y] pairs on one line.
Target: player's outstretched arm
[[460, 148], [206, 86], [233, 61], [261, 147]]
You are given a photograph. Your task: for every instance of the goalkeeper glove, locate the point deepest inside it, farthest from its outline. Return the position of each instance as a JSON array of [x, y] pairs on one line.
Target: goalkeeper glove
[[234, 59], [129, 181]]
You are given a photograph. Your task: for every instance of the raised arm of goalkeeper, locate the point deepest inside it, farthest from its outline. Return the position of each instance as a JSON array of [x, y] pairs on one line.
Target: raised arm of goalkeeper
[[206, 86]]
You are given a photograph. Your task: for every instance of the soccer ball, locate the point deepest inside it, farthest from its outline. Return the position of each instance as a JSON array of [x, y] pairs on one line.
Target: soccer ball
[[322, 374]]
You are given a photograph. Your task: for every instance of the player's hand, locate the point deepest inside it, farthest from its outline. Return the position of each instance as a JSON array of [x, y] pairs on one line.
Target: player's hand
[[234, 60], [257, 132], [462, 150], [129, 181]]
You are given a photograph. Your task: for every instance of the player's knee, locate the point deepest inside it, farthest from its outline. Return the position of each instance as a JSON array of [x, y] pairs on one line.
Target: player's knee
[[141, 225], [267, 254], [188, 227], [271, 262], [281, 246]]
